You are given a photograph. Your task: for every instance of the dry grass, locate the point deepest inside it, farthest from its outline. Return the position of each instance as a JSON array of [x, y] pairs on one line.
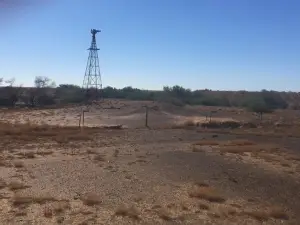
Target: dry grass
[[131, 212], [71, 137], [278, 213], [44, 153], [48, 213], [207, 193], [16, 185], [165, 215], [266, 156], [20, 133], [116, 153], [285, 164], [264, 215], [60, 207], [185, 124], [235, 205], [189, 123], [29, 155], [196, 148], [293, 157], [201, 184], [184, 206], [100, 158], [2, 184], [240, 147], [20, 199], [21, 213], [91, 151], [18, 164], [265, 131], [203, 206], [60, 219], [91, 199], [258, 215], [229, 212], [239, 142], [42, 199], [3, 163], [208, 143]]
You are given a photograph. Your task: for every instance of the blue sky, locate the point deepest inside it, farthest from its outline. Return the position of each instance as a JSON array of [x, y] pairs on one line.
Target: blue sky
[[214, 44]]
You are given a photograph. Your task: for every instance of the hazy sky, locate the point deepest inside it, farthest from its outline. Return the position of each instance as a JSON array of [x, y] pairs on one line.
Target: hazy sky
[[214, 44]]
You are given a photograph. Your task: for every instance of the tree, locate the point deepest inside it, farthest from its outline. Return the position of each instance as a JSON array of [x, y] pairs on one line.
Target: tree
[[10, 94], [68, 93], [259, 106], [178, 92], [42, 93], [43, 82], [273, 99]]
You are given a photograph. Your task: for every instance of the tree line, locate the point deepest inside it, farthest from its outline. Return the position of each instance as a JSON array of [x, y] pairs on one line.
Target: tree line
[[46, 93]]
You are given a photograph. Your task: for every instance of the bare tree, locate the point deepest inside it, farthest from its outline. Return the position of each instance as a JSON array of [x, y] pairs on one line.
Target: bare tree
[[11, 94], [43, 82], [41, 94]]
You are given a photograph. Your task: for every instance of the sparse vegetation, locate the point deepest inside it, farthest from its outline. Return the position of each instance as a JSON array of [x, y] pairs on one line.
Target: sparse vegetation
[[278, 213], [258, 215], [100, 158], [29, 155], [48, 213], [19, 199], [207, 193], [131, 212], [128, 160], [91, 199], [44, 153], [2, 184], [165, 215], [18, 164], [24, 133], [23, 199], [203, 206], [61, 206], [16, 185], [264, 215], [46, 93]]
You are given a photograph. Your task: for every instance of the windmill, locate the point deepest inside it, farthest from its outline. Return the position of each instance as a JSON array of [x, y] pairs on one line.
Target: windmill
[[92, 83]]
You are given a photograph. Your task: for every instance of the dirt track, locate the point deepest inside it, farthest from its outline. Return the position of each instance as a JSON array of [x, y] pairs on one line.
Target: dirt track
[[149, 176]]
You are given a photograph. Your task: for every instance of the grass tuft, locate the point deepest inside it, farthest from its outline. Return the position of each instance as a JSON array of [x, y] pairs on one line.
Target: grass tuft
[[164, 215], [21, 199], [16, 185], [100, 158], [258, 215], [203, 206], [19, 164], [91, 199], [131, 212], [278, 213], [207, 193], [2, 184]]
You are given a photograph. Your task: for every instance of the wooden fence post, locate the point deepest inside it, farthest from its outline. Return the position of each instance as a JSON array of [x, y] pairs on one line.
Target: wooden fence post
[[80, 120], [146, 122], [83, 118]]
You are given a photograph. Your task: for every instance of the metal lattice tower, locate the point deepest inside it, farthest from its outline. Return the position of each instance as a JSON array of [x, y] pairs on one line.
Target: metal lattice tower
[[92, 83]]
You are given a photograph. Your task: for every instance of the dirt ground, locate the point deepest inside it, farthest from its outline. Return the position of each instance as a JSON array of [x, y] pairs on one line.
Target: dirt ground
[[173, 172]]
